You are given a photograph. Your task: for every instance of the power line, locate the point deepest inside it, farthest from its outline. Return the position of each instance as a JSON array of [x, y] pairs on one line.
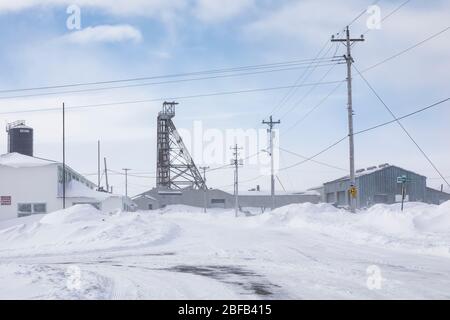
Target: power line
[[303, 77], [228, 166], [159, 83], [242, 181], [314, 108], [374, 66], [316, 155], [334, 89], [401, 126], [406, 50], [366, 130], [166, 98], [404, 116], [176, 75], [308, 92], [390, 14], [361, 14], [315, 161]]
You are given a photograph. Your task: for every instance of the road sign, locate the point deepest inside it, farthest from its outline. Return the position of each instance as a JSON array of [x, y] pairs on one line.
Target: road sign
[[402, 179], [5, 200], [353, 191]]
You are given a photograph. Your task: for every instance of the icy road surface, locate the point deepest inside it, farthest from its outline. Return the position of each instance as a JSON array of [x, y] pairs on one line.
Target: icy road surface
[[297, 252]]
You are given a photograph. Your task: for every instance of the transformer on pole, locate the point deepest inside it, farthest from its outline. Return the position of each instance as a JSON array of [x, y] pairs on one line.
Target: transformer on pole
[[175, 168]]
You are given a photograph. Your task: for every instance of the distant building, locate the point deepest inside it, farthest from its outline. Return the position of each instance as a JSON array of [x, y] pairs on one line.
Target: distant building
[[158, 198], [31, 185], [378, 184]]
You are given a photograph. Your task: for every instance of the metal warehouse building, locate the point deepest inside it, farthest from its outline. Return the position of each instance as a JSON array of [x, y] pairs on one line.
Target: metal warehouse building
[[158, 198], [378, 184]]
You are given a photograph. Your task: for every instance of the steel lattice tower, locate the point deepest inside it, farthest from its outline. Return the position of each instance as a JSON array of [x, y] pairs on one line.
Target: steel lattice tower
[[175, 168]]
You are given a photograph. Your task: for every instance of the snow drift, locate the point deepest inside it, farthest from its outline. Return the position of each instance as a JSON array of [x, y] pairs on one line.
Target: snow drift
[[83, 228], [421, 227]]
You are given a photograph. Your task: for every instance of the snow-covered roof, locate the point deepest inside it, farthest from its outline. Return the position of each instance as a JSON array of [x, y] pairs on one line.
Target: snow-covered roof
[[18, 160], [76, 189], [370, 170], [267, 193]]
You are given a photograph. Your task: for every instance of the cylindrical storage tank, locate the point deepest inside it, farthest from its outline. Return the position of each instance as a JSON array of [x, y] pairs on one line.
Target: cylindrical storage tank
[[20, 139]]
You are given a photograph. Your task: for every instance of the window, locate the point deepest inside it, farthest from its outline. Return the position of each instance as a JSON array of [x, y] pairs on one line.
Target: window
[[26, 209], [217, 200], [150, 207], [39, 207]]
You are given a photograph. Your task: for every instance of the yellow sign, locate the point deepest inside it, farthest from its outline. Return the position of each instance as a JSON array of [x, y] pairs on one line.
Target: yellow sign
[[353, 191]]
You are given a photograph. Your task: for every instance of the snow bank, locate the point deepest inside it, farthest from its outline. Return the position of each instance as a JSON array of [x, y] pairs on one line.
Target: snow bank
[[420, 226], [84, 228]]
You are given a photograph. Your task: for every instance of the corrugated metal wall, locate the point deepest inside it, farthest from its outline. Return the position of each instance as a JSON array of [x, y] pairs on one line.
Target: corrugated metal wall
[[379, 186]]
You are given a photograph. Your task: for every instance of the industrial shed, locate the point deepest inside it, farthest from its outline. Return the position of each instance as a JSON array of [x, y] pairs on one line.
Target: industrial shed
[[158, 198], [378, 184]]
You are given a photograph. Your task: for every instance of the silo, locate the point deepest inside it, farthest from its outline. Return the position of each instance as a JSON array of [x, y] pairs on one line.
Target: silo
[[20, 138]]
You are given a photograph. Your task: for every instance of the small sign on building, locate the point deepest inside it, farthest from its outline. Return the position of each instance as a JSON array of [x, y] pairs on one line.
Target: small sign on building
[[5, 200]]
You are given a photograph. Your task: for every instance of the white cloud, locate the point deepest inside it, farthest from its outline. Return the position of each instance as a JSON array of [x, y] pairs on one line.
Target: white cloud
[[304, 20], [117, 7], [218, 10], [105, 33]]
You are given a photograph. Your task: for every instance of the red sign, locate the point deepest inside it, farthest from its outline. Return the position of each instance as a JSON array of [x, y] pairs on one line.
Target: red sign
[[5, 200]]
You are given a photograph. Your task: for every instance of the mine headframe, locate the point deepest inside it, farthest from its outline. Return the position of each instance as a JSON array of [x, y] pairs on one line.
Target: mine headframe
[[175, 168]]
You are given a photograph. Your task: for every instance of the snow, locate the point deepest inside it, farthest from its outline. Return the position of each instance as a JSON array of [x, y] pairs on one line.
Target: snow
[[299, 251], [76, 189], [17, 160]]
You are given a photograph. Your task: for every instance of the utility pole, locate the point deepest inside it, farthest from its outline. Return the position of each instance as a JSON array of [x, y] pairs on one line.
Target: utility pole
[[106, 175], [349, 59], [64, 154], [271, 123], [205, 202], [236, 162], [98, 165], [126, 180]]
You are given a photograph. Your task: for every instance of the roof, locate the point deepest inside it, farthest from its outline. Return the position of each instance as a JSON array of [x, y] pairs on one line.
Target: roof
[[267, 193], [371, 170], [18, 160], [430, 189], [76, 189]]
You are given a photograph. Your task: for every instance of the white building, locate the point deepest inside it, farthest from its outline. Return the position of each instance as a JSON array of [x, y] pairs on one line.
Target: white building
[[31, 185]]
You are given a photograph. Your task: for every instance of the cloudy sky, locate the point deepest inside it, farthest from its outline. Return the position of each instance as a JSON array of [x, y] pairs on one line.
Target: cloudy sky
[[145, 38]]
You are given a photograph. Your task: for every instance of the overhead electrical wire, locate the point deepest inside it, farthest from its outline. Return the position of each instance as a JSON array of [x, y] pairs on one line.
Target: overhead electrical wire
[[434, 35], [312, 160], [366, 130], [295, 105], [288, 94], [390, 14], [162, 99], [335, 88], [176, 75], [369, 69], [158, 83], [427, 157]]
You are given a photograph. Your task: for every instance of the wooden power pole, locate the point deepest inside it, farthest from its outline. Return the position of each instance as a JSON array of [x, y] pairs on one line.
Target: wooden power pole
[[349, 59], [271, 123]]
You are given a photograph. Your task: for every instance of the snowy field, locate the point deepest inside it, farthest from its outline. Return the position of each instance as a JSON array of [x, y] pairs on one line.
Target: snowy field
[[300, 251]]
